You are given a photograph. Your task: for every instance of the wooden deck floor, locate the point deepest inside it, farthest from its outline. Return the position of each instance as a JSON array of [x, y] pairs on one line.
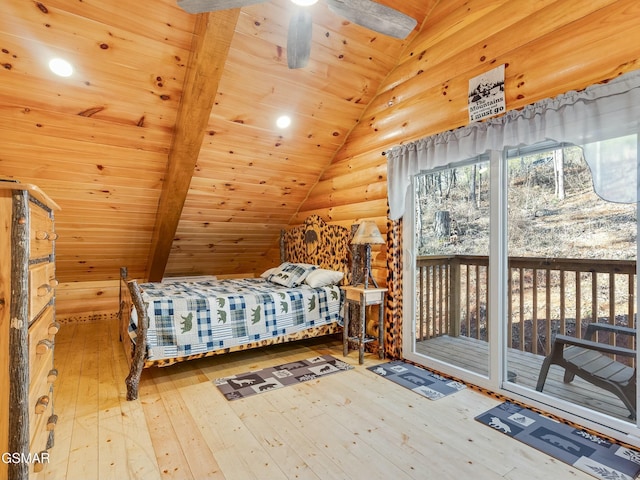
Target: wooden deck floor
[[350, 425], [472, 354]]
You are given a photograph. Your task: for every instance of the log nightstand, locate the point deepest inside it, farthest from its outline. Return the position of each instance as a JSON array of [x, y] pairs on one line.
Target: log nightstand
[[364, 297]]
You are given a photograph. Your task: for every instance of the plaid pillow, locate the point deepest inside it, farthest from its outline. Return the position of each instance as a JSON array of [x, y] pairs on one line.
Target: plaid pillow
[[291, 274]]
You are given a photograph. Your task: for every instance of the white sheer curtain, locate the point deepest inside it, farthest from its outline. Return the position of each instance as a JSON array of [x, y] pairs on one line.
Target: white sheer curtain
[[599, 112]]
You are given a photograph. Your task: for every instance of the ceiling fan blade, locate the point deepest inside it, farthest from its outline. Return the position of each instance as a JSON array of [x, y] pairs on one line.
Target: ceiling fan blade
[[201, 6], [374, 16], [299, 38]]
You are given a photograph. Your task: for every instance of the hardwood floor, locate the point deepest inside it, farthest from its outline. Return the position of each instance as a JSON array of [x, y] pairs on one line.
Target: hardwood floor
[[351, 425]]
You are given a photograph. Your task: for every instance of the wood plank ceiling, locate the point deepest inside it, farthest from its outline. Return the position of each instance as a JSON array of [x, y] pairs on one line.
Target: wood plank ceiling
[[162, 148]]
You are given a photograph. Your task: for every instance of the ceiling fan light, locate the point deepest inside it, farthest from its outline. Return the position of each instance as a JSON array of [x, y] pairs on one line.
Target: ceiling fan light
[[305, 3]]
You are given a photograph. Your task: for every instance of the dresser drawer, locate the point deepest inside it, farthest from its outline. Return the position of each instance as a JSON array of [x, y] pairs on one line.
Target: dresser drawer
[[41, 340], [40, 406], [38, 434], [41, 436], [41, 234], [40, 383], [42, 283], [39, 444]]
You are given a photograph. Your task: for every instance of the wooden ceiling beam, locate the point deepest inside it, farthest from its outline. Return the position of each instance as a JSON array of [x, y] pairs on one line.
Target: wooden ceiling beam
[[213, 33]]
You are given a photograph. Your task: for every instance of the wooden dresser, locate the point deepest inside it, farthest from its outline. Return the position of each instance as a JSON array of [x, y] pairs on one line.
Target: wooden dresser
[[27, 329]]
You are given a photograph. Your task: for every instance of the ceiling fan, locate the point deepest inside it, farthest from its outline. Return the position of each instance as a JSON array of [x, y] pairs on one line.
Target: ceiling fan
[[367, 13]]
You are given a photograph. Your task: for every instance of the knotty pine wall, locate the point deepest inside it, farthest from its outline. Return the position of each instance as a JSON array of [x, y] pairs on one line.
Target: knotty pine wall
[[549, 47]]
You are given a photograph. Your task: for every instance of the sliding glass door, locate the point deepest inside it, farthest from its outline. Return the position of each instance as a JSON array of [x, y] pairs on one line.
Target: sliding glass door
[[452, 261], [512, 254], [572, 272]]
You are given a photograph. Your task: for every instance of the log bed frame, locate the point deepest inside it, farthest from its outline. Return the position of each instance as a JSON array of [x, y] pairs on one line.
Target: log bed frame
[[313, 242]]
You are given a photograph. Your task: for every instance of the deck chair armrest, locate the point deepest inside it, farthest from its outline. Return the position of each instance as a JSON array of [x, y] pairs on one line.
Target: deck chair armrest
[[561, 340], [605, 327]]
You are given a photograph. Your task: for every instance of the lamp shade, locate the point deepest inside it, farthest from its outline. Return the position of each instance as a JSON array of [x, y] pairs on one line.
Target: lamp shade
[[367, 234]]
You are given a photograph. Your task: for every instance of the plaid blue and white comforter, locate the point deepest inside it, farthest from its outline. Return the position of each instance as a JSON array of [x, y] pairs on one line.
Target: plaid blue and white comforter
[[188, 318]]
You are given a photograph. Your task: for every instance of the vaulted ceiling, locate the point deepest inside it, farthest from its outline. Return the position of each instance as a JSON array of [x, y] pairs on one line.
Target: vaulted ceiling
[[162, 147]]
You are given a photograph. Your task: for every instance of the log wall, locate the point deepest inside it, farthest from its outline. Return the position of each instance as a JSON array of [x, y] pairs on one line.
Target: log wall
[[548, 47], [87, 301]]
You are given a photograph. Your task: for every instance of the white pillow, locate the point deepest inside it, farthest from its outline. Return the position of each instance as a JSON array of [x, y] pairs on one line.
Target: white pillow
[[322, 277], [268, 272]]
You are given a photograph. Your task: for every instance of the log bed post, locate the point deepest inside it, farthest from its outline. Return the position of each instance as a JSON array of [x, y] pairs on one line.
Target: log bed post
[[283, 246], [140, 348], [124, 273]]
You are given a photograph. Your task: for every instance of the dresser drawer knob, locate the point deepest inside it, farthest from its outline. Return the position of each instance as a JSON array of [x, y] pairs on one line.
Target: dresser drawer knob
[[42, 235], [53, 283], [44, 290], [42, 404], [54, 328], [52, 375], [43, 346], [52, 422], [39, 463]]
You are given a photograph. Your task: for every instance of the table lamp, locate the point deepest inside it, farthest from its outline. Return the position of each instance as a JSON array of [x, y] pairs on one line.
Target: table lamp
[[367, 234]]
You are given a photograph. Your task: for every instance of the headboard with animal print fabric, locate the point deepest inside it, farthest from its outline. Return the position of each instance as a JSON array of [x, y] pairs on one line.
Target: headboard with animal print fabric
[[318, 243]]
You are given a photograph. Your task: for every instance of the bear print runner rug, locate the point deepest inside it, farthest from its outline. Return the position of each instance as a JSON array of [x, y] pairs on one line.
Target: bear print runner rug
[[585, 451], [259, 381], [417, 379]]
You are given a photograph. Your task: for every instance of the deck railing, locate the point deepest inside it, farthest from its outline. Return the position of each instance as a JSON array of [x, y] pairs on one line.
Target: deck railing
[[546, 296]]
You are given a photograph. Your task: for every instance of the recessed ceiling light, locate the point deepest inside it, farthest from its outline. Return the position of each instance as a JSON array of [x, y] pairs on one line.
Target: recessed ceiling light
[[304, 3], [284, 121], [61, 67]]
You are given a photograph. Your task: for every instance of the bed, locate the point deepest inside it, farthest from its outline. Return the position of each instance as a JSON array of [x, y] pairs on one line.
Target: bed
[[182, 319]]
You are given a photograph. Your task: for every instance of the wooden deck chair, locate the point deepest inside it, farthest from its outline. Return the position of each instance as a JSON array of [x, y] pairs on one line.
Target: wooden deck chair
[[593, 362]]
